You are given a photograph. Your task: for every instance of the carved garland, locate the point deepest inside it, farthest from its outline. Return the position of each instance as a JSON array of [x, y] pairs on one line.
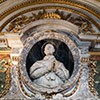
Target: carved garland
[[84, 25], [61, 8]]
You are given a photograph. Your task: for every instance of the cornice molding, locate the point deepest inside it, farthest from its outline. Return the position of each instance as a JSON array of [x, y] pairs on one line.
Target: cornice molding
[[94, 53], [67, 2], [51, 7]]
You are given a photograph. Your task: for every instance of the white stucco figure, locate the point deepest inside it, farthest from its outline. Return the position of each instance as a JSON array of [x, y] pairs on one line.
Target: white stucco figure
[[49, 72]]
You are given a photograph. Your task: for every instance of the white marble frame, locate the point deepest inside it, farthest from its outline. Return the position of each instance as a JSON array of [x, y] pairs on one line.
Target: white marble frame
[[50, 35]]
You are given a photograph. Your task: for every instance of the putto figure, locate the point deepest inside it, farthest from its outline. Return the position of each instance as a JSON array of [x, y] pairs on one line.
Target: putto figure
[[49, 72]]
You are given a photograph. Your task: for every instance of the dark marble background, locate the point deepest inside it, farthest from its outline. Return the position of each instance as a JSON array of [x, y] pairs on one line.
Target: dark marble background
[[62, 54]]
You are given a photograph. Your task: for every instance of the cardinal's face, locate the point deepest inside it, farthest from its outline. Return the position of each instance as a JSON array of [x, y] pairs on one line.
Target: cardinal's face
[[49, 49]]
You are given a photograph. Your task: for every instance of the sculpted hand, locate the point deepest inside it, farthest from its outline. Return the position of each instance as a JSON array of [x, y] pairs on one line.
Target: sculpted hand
[[52, 67]]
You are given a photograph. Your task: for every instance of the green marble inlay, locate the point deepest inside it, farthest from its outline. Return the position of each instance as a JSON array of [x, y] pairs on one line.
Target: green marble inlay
[[2, 74], [97, 78], [2, 81]]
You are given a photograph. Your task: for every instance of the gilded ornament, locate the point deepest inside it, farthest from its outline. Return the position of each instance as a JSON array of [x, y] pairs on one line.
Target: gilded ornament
[[17, 24], [5, 69], [92, 68]]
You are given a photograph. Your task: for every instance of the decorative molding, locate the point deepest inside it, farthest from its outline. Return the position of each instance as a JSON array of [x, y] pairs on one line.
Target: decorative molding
[[77, 85], [50, 15], [84, 59], [15, 58], [92, 71], [95, 57], [40, 36], [92, 53], [17, 24], [68, 9], [67, 2], [22, 74], [20, 83], [4, 47]]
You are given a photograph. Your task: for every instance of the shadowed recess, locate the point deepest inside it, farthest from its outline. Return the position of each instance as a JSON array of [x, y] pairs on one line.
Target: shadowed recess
[[62, 54]]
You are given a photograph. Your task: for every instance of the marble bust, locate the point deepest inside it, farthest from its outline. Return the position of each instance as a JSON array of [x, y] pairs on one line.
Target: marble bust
[[49, 72]]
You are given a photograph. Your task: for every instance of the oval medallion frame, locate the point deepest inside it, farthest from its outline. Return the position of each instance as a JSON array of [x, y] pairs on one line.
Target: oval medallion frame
[[49, 35]]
